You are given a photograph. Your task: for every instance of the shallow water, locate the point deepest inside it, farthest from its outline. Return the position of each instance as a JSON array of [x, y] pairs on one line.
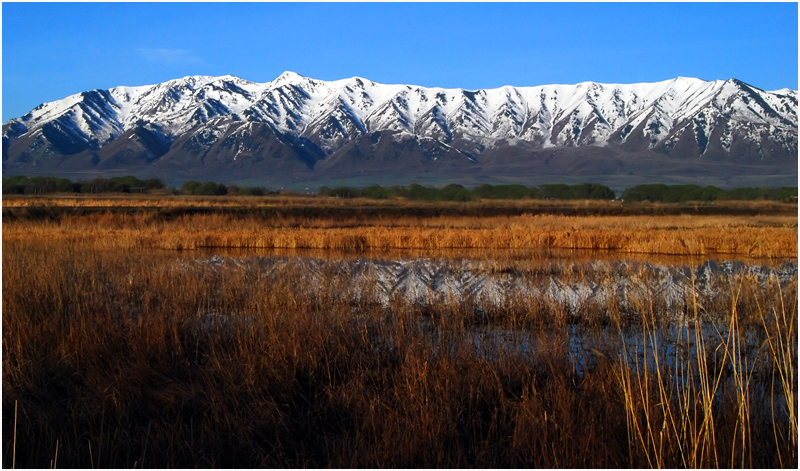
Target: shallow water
[[689, 300], [671, 290], [493, 283]]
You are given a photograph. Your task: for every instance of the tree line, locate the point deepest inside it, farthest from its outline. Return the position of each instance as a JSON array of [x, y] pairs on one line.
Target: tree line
[[22, 185], [650, 192], [681, 193], [455, 192], [213, 188]]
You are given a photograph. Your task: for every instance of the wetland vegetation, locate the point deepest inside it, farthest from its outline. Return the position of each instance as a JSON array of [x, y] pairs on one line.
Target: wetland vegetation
[[313, 332]]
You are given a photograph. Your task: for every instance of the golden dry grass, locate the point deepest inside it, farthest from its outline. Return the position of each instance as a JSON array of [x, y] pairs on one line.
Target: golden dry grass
[[128, 358], [363, 225], [122, 354]]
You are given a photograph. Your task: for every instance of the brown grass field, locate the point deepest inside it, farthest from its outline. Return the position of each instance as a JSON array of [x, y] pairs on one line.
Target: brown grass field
[[760, 229], [119, 350]]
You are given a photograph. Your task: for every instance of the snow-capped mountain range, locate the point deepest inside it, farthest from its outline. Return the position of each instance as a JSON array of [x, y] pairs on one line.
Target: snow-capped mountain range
[[307, 128]]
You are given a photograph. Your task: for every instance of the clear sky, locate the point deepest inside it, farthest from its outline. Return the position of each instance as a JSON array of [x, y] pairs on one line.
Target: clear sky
[[51, 50]]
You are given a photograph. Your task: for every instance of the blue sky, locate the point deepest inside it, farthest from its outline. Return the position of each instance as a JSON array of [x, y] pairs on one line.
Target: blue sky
[[51, 50]]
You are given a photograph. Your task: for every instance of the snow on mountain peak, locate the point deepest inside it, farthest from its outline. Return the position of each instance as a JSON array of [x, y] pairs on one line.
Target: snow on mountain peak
[[287, 78], [332, 113]]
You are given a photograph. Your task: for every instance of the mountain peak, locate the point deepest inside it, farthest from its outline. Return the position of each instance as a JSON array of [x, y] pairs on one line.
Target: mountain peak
[[288, 78], [191, 80], [742, 84]]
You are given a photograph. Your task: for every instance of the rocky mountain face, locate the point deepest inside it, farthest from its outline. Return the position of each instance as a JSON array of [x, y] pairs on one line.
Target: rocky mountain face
[[296, 130]]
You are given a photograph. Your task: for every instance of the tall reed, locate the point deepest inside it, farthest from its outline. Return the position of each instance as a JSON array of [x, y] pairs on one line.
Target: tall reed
[[703, 403]]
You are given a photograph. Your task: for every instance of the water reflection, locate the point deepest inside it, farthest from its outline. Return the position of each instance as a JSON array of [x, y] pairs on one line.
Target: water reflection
[[666, 314]]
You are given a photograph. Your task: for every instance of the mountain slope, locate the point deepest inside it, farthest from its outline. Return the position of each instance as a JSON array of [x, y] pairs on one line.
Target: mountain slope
[[297, 129]]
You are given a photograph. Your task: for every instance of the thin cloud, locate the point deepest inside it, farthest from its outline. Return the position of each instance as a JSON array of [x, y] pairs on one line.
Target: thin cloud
[[170, 56]]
